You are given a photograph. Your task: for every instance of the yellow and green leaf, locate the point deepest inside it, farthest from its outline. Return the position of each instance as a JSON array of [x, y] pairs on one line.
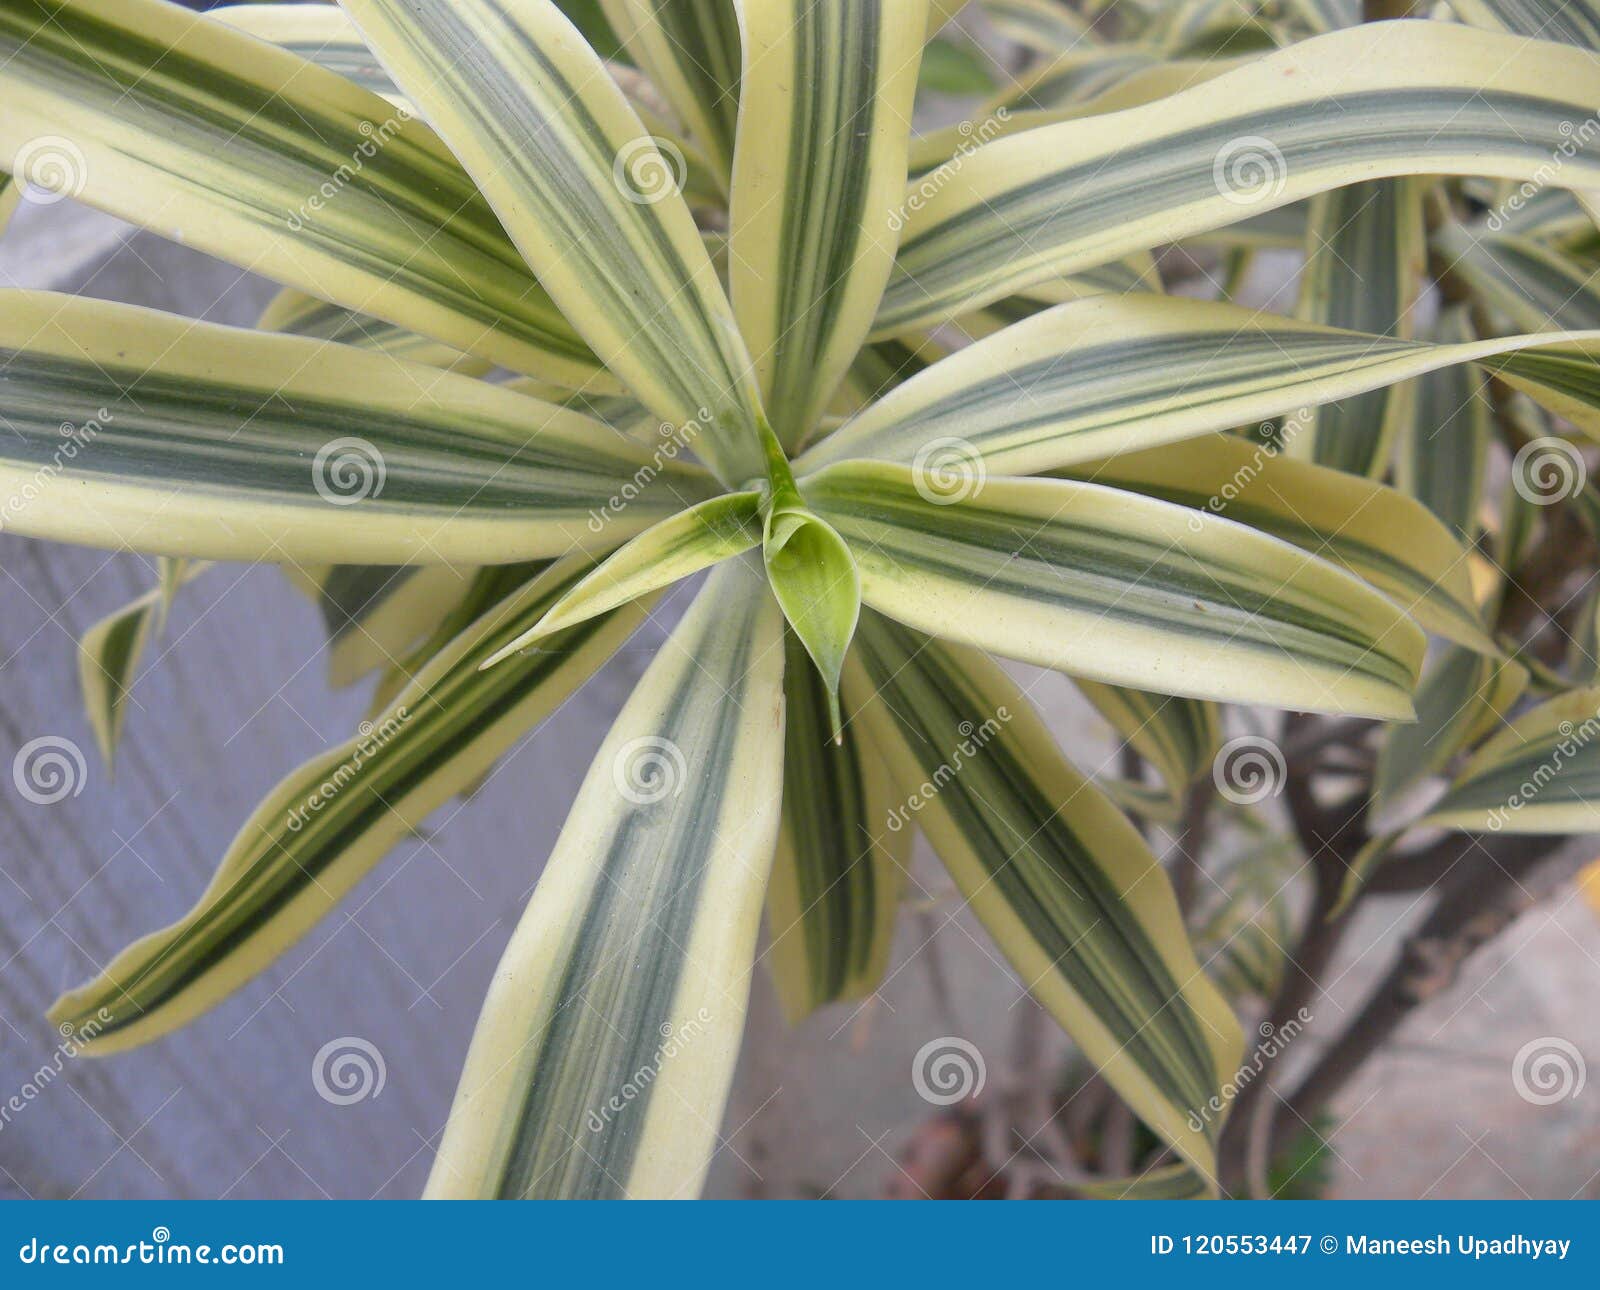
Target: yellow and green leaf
[[607, 1042], [1062, 881], [328, 823]]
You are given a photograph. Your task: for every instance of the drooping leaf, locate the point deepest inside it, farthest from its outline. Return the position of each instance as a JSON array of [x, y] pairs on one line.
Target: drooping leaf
[[191, 439], [843, 851], [1364, 261], [1461, 694], [607, 1041], [329, 822], [1541, 774], [1061, 880], [1115, 373], [1121, 588], [1444, 445], [588, 197], [1441, 98], [199, 132], [1378, 534], [109, 654], [691, 50]]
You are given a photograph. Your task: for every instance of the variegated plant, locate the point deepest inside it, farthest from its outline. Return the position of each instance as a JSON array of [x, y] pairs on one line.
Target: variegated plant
[[920, 401]]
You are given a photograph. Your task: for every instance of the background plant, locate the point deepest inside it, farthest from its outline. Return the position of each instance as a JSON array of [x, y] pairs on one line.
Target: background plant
[[1017, 496]]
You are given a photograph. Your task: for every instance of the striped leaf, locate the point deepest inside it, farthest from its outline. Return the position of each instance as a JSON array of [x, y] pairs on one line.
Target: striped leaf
[[844, 847], [691, 50], [1363, 272], [1541, 774], [373, 612], [1045, 26], [690, 541], [10, 198], [296, 314], [319, 33], [588, 198], [486, 588], [1368, 103], [206, 135], [1573, 22], [130, 427], [1376, 533], [607, 1042], [1444, 447], [1247, 925], [1461, 694], [1536, 286], [1121, 588], [1179, 737], [818, 181], [1111, 374], [109, 654], [327, 824], [1061, 880], [1166, 1182]]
